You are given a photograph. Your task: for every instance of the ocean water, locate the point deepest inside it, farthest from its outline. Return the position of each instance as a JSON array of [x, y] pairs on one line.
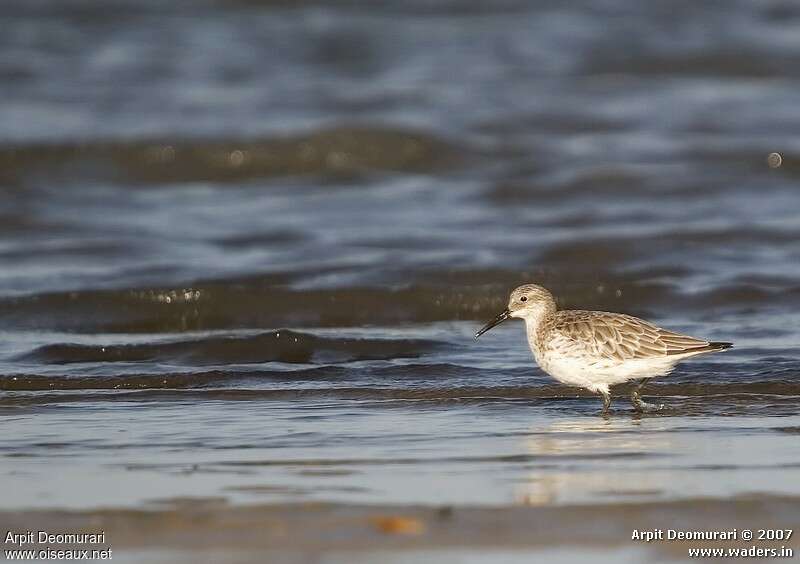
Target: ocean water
[[244, 247]]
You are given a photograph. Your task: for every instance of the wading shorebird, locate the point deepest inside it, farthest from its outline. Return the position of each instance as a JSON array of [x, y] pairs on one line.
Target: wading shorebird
[[597, 349]]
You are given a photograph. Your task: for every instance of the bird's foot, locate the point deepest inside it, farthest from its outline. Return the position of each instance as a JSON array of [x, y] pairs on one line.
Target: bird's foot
[[644, 407]]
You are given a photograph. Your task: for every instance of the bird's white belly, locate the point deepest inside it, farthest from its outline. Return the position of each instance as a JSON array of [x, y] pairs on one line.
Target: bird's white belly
[[597, 373]]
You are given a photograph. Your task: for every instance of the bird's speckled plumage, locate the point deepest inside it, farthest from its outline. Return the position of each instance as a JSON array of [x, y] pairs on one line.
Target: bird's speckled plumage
[[597, 349], [616, 336]]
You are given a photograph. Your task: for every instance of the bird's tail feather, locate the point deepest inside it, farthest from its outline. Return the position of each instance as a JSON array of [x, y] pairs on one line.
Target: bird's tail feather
[[716, 346]]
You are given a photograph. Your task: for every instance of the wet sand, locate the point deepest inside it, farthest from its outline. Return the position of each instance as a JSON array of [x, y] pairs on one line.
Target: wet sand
[[212, 531]]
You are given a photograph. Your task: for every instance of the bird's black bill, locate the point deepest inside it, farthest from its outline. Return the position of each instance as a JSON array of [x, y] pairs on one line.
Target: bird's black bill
[[502, 316]]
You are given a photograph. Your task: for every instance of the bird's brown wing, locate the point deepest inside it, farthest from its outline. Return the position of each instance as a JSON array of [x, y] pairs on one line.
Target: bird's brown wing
[[620, 337]]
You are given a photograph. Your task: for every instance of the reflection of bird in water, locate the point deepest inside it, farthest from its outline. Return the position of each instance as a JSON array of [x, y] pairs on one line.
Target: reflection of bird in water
[[579, 460], [597, 349]]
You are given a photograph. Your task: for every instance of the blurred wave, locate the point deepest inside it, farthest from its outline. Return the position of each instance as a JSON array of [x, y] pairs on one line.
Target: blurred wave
[[275, 346], [333, 152], [246, 303]]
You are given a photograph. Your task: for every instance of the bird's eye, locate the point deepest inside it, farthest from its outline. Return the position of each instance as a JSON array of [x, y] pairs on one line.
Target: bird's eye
[[523, 299]]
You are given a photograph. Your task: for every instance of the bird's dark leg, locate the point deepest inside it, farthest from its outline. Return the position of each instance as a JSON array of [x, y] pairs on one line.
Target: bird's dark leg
[[638, 403], [606, 402]]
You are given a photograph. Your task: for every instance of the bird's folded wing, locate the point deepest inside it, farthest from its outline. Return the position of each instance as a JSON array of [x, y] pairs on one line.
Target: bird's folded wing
[[620, 337]]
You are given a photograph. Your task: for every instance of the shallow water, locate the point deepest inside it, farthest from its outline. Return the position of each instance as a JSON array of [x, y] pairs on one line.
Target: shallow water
[[245, 246]]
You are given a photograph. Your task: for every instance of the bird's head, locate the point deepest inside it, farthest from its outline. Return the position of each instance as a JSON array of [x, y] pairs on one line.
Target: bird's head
[[529, 301]]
